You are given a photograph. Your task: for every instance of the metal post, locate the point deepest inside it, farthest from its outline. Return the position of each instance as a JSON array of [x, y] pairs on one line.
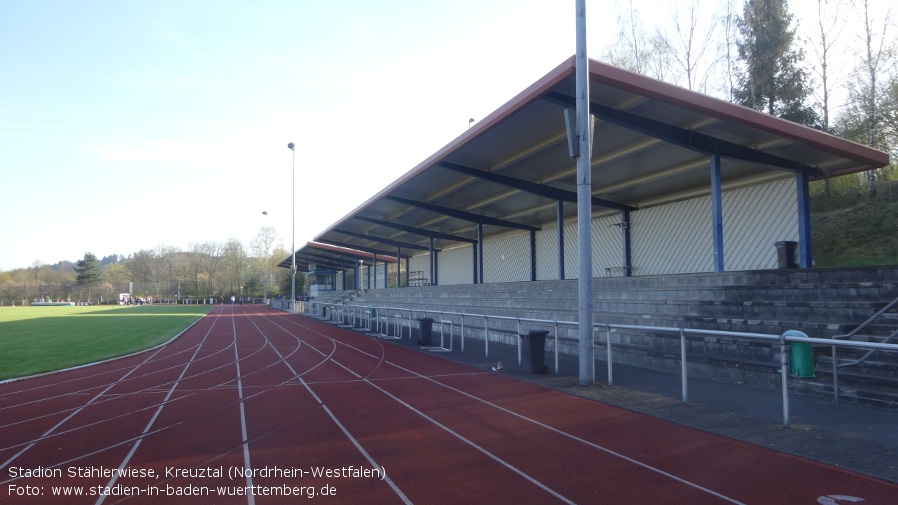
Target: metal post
[[291, 145], [486, 338], [784, 376], [560, 235], [683, 365], [584, 201], [556, 347], [835, 377], [608, 351], [717, 212]]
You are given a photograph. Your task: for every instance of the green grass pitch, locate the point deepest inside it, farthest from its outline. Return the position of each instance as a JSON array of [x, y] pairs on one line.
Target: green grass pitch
[[42, 339]]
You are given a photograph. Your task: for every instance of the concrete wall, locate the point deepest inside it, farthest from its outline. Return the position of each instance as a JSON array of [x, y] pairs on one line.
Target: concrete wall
[[819, 302]]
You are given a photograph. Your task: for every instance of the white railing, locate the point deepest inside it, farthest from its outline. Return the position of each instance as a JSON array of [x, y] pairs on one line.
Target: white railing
[[377, 319]]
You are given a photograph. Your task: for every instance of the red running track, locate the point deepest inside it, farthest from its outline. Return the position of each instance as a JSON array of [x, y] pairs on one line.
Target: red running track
[[252, 405]]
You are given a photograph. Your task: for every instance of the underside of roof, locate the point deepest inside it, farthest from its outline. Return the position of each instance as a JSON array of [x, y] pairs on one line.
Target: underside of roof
[[652, 145]]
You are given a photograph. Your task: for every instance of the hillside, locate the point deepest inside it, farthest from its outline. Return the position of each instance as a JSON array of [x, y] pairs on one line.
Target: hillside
[[856, 231]]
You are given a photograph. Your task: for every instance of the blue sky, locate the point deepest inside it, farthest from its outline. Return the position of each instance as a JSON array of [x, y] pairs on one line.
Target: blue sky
[[128, 125]]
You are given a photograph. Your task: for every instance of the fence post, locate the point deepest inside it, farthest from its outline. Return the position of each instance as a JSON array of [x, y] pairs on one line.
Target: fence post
[[683, 365], [608, 351], [835, 376], [486, 337], [556, 348], [784, 373]]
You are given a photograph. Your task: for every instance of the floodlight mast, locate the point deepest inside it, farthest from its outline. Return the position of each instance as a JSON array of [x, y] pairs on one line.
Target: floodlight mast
[[584, 204], [265, 265], [291, 146]]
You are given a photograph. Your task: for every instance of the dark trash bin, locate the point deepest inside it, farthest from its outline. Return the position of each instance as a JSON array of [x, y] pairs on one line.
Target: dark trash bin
[[324, 311], [426, 326], [785, 254], [535, 351]]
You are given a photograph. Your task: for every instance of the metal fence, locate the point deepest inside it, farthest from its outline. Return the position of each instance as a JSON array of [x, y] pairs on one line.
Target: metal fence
[[397, 322]]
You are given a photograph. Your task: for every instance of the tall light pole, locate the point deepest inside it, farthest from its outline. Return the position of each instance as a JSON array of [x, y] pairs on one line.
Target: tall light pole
[[291, 145], [584, 204], [265, 265]]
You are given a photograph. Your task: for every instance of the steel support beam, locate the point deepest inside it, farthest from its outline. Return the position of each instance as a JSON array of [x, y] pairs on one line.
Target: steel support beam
[[717, 212]]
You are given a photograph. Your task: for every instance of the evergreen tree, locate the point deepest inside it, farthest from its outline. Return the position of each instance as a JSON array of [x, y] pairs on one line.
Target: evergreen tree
[[771, 79], [88, 270]]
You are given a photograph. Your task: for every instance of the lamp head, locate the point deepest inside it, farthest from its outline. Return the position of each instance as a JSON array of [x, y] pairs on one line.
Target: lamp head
[[291, 145]]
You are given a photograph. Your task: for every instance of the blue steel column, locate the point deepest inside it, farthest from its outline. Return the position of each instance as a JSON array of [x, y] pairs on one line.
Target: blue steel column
[[432, 262], [717, 212], [805, 254], [408, 265], [398, 267], [532, 255], [625, 239], [480, 253], [474, 263], [435, 280], [560, 219]]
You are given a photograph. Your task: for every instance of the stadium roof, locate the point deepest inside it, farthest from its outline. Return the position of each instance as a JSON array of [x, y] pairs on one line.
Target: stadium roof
[[652, 145]]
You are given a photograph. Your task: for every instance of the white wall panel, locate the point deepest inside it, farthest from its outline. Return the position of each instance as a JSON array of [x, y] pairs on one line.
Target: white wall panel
[[754, 219], [672, 239], [456, 266], [547, 254], [507, 258]]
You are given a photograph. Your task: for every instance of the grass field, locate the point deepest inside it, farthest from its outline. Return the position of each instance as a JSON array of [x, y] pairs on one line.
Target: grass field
[[42, 339]]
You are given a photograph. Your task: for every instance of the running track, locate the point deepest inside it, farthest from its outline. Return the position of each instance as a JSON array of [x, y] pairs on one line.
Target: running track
[[286, 396]]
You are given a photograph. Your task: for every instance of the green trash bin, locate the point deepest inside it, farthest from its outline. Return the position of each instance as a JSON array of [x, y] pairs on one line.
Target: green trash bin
[[801, 356]]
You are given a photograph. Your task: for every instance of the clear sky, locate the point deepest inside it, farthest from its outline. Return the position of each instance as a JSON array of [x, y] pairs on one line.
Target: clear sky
[[128, 125]]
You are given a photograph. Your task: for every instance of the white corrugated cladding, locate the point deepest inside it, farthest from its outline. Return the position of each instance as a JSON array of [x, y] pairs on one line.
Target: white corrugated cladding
[[455, 266], [507, 258], [754, 219], [547, 254], [672, 239], [668, 239]]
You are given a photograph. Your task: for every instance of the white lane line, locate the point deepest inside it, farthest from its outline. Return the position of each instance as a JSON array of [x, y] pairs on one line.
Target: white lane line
[[76, 411], [528, 419], [150, 424], [576, 438], [250, 498], [345, 431], [433, 421]]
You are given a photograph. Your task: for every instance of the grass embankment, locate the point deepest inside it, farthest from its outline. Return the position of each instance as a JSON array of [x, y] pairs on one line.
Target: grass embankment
[[42, 339], [860, 234]]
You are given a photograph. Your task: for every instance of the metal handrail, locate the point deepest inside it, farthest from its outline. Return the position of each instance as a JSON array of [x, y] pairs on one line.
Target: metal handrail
[[681, 333], [836, 366]]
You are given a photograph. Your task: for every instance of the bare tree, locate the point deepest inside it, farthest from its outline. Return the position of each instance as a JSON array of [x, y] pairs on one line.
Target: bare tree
[[692, 44], [861, 120], [635, 49]]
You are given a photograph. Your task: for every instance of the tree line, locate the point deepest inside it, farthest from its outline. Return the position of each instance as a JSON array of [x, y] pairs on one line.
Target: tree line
[[204, 270], [834, 70]]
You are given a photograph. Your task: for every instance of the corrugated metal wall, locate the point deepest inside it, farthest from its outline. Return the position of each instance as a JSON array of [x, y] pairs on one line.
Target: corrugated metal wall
[[673, 238], [754, 219], [506, 259], [456, 266]]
